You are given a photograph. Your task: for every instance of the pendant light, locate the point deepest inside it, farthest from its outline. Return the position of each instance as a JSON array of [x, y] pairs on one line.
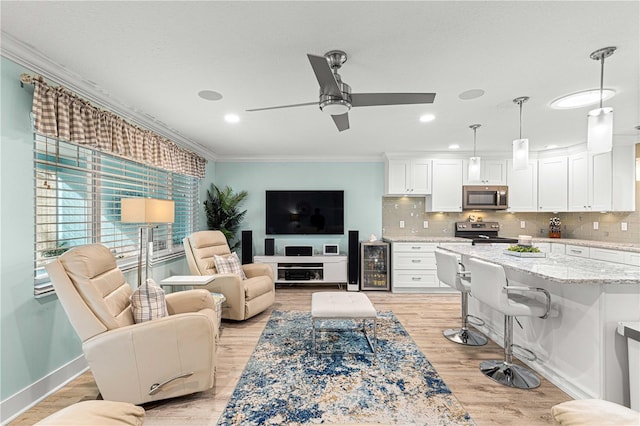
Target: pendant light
[[520, 146], [600, 120], [474, 162]]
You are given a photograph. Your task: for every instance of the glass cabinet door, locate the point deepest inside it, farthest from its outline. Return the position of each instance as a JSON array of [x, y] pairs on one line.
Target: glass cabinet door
[[374, 266]]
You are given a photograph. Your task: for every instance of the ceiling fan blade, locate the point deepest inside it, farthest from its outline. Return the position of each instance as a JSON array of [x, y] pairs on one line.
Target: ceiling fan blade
[[342, 121], [282, 106], [324, 75], [374, 99]]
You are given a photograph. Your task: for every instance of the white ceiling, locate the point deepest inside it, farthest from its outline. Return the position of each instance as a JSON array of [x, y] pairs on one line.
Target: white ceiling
[[154, 57]]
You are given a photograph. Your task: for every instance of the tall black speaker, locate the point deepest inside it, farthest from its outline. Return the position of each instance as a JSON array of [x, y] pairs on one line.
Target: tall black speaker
[[247, 247], [353, 265], [269, 247]]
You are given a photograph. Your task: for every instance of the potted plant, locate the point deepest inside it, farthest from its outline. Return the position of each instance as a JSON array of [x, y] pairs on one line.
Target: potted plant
[[223, 214]]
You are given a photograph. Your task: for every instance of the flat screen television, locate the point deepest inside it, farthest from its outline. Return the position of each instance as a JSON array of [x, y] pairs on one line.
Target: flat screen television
[[304, 212]]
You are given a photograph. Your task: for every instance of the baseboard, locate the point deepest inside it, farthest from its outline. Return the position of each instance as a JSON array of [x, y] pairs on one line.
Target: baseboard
[[22, 400]]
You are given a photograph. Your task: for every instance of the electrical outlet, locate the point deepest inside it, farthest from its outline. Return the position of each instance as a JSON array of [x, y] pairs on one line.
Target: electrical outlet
[[596, 225], [425, 224], [402, 224], [623, 226], [522, 224]]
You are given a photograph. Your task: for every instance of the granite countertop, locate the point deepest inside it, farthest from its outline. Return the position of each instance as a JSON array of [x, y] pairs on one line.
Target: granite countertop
[[587, 243], [555, 267], [591, 243], [423, 239]]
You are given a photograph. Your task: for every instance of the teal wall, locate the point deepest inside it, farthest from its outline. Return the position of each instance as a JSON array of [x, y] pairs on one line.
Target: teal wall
[[36, 337], [362, 182]]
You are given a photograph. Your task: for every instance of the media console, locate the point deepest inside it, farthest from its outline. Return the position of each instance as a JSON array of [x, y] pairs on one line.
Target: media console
[[306, 269]]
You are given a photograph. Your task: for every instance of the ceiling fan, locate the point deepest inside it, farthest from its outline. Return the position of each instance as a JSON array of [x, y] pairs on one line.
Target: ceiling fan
[[336, 98]]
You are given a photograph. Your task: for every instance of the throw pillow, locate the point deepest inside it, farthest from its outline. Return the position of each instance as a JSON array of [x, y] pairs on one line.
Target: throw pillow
[[148, 302], [229, 264]]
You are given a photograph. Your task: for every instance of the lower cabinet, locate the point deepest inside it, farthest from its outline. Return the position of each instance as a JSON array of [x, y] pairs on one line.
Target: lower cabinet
[[414, 268]]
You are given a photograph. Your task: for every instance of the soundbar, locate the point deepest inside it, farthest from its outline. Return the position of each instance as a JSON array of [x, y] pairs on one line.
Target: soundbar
[[298, 251]]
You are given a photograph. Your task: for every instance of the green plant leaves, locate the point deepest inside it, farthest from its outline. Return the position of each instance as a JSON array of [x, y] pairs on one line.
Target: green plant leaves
[[223, 213]]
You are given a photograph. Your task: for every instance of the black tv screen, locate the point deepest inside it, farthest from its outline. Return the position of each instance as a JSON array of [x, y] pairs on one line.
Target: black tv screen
[[304, 212]]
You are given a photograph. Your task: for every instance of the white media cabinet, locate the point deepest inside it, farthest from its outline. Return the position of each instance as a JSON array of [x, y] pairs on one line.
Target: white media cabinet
[[306, 269]]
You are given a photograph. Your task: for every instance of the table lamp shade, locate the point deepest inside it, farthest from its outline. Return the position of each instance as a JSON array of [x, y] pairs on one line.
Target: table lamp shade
[[146, 210]]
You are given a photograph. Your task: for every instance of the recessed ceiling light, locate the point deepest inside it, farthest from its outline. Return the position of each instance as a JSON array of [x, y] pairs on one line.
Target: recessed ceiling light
[[231, 118], [552, 146], [581, 99], [454, 146], [471, 94], [427, 118], [210, 95]]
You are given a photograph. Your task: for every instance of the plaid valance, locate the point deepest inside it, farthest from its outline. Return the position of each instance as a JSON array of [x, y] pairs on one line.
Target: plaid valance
[[61, 114]]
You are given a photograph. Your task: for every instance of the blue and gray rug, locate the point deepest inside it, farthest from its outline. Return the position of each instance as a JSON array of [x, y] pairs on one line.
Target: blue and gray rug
[[284, 382]]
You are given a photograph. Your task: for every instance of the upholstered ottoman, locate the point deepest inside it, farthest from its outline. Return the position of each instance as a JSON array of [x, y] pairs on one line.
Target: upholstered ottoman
[[96, 413], [342, 305], [594, 412]]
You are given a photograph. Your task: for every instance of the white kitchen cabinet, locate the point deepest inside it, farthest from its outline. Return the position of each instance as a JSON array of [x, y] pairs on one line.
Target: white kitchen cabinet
[[552, 184], [632, 258], [606, 255], [623, 175], [579, 251], [413, 267], [408, 177], [492, 172], [590, 182], [446, 186], [558, 248], [523, 187]]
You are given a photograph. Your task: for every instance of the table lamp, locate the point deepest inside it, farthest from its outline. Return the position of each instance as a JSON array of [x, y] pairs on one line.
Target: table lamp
[[147, 212]]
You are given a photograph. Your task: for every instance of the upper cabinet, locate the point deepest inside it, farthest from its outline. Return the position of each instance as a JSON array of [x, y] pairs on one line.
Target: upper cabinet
[[552, 184], [492, 172], [447, 186], [407, 177], [590, 182], [523, 187]]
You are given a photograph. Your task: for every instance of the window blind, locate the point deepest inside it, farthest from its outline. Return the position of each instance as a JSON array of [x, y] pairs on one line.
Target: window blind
[[77, 202]]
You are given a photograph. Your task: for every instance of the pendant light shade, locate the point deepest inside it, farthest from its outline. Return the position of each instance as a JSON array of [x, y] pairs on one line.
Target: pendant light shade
[[600, 120], [520, 146], [474, 162]]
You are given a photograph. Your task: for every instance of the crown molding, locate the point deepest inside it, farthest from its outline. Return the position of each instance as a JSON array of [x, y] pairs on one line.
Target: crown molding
[[298, 159], [29, 57]]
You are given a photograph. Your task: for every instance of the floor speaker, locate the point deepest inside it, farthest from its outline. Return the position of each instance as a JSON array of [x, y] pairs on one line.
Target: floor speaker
[[247, 247], [269, 247], [353, 265]]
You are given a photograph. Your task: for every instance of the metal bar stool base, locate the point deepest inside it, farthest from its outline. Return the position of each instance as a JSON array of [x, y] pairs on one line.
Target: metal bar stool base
[[465, 337], [510, 375]]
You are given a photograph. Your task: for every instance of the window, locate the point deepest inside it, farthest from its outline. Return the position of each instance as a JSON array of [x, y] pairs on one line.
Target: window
[[77, 201]]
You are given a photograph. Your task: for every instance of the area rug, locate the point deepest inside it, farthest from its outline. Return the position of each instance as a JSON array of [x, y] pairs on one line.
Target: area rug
[[285, 382]]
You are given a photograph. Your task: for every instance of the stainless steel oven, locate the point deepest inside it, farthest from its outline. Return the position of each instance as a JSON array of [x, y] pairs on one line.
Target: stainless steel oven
[[482, 197]]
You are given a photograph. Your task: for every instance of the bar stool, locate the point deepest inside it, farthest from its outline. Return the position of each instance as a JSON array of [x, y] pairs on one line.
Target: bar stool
[[451, 273], [490, 286]]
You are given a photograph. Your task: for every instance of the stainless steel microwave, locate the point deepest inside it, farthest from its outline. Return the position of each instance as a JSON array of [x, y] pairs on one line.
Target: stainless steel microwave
[[482, 197]]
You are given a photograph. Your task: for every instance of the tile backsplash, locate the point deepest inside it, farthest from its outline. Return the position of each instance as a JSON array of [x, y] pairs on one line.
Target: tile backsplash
[[410, 210]]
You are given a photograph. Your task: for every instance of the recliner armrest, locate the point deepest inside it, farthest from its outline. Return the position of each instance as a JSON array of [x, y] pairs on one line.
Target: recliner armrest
[[257, 270], [189, 301]]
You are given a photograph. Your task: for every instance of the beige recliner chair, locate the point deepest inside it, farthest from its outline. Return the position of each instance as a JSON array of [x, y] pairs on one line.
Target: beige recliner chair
[[245, 298], [136, 363]]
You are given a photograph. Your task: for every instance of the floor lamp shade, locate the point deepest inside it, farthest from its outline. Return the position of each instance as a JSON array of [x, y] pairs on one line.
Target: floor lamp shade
[[520, 154], [600, 130], [146, 210]]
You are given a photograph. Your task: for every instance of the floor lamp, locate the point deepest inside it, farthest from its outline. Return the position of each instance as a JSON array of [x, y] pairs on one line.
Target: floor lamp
[[148, 212]]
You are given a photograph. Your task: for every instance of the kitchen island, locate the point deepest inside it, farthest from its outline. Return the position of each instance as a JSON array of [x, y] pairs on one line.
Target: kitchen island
[[577, 346]]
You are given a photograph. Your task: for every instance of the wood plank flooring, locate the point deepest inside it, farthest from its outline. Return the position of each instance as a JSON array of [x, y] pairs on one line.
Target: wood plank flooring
[[423, 315]]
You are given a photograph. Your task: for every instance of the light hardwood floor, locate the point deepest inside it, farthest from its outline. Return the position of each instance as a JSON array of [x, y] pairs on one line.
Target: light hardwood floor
[[423, 315]]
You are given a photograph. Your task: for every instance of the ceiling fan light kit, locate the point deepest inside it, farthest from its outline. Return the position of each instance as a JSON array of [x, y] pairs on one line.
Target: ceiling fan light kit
[[520, 146], [336, 98], [474, 162], [600, 120]]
